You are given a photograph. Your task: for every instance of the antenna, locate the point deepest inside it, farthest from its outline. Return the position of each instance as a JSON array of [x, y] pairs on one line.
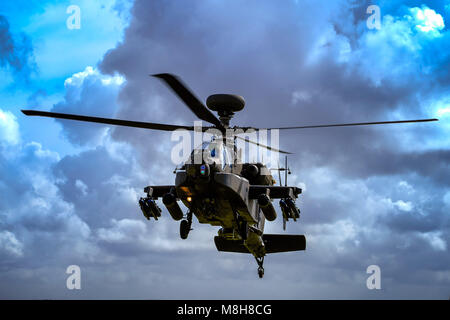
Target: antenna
[[285, 171], [279, 174]]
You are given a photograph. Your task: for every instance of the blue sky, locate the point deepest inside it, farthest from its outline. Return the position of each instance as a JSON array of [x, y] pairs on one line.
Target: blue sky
[[376, 195], [56, 53]]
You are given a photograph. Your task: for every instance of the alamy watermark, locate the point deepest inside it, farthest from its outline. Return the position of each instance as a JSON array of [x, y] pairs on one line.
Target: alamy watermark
[[374, 280], [74, 280], [74, 20], [374, 21]]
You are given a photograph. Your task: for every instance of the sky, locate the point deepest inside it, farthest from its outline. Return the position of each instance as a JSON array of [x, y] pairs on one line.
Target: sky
[[377, 195]]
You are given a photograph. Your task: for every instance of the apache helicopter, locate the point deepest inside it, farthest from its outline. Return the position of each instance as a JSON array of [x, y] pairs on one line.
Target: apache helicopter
[[220, 190]]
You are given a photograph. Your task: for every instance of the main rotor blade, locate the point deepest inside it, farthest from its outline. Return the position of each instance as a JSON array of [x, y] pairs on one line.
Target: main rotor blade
[[354, 124], [182, 91], [263, 146], [117, 122]]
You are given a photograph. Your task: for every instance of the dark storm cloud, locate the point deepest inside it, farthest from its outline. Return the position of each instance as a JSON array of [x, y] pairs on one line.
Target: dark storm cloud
[[34, 219], [16, 52], [253, 50], [365, 163], [434, 220], [87, 180], [262, 57], [292, 65]]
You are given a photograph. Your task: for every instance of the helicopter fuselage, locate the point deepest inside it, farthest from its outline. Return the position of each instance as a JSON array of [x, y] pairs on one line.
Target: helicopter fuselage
[[221, 198]]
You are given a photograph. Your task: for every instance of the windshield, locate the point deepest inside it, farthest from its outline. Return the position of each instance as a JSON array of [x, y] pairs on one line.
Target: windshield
[[215, 152]]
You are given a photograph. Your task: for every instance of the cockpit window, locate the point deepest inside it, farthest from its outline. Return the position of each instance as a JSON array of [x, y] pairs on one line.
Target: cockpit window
[[216, 152], [227, 156], [212, 150], [205, 145]]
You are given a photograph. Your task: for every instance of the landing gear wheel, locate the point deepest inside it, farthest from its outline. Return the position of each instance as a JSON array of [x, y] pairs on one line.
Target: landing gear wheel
[[260, 262], [261, 272], [184, 229]]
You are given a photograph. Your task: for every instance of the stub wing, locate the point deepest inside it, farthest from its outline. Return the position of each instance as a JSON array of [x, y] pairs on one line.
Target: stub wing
[[274, 192], [158, 191]]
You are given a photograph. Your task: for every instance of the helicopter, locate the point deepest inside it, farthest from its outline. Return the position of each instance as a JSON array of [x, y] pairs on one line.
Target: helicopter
[[219, 189]]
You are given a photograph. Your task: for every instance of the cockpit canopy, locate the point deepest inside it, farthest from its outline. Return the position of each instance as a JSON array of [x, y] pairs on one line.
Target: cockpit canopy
[[214, 151]]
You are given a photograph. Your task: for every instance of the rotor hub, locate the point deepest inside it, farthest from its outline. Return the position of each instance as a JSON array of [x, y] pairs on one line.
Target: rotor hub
[[225, 105]]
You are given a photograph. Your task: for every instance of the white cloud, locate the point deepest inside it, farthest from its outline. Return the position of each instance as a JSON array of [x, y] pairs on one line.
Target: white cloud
[[122, 231], [334, 235], [77, 79], [427, 20], [9, 128], [401, 49], [10, 244], [89, 92], [403, 206], [41, 153], [80, 185], [406, 187], [435, 240], [300, 96], [444, 110]]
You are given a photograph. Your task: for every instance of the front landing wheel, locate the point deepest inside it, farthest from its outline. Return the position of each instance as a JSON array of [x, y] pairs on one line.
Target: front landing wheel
[[260, 261], [261, 272]]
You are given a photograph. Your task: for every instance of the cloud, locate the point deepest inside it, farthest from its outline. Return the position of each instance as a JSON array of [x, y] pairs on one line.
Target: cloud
[[9, 130], [122, 231], [91, 93], [427, 20], [403, 206], [10, 245], [435, 240], [402, 48], [374, 195], [32, 208], [81, 186], [16, 52], [315, 67]]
